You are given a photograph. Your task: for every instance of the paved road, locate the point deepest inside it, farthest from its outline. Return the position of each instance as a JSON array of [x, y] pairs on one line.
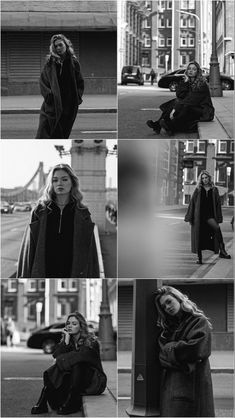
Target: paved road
[[222, 388], [171, 248], [12, 227], [86, 126], [137, 104], [22, 382]]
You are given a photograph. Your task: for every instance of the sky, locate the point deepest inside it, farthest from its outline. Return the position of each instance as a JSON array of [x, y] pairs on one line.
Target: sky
[[20, 159]]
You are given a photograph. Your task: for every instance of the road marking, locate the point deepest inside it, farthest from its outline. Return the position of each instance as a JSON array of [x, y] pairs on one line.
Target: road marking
[[123, 398], [158, 215], [22, 378], [97, 132], [151, 108]]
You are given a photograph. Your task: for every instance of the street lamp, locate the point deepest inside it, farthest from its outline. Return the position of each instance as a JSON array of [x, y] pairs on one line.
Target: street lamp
[[214, 78], [108, 347], [38, 313]]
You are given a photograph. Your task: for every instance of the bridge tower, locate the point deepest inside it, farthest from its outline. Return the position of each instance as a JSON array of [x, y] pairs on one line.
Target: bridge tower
[[88, 161]]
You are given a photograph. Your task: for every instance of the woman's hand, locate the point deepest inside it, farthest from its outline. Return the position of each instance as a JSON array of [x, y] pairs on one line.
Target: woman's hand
[[67, 336], [172, 114]]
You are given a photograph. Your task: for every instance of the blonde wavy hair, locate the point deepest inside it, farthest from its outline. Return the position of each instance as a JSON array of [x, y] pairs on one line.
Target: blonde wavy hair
[[48, 193], [199, 81], [185, 303], [67, 42], [199, 179], [86, 338]]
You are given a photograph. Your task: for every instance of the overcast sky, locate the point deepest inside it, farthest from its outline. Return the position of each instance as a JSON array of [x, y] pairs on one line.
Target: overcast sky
[[20, 159]]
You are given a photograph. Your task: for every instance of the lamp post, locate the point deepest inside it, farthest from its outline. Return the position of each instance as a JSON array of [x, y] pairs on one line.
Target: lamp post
[[215, 82], [108, 347], [38, 313]]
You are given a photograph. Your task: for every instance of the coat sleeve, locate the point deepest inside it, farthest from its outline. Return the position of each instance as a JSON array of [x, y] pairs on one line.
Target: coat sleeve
[[218, 210], [196, 97], [189, 217], [27, 252], [84, 354], [61, 348], [194, 347], [93, 263], [79, 78], [182, 90], [45, 86]]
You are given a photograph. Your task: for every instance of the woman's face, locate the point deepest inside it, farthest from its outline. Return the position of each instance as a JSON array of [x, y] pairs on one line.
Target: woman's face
[[60, 47], [61, 182], [205, 179], [170, 304], [192, 70], [73, 325]]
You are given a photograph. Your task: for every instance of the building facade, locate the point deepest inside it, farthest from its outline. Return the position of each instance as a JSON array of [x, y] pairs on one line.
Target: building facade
[[225, 35], [27, 27]]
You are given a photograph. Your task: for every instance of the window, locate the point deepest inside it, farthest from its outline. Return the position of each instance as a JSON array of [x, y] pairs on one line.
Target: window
[[32, 287], [145, 61], [189, 146], [12, 285], [162, 5], [187, 198], [161, 22], [189, 175], [61, 285], [201, 149], [61, 309], [191, 42], [169, 41], [221, 175], [169, 22], [31, 310], [191, 21], [222, 147], [184, 4], [169, 5], [148, 5], [183, 42], [183, 60], [162, 60], [183, 22], [161, 41], [232, 146], [73, 285], [191, 4], [41, 284], [147, 41]]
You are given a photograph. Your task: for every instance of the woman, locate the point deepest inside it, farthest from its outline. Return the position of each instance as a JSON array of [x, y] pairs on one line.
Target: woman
[[77, 370], [62, 87], [204, 214], [185, 346], [192, 104], [59, 241]]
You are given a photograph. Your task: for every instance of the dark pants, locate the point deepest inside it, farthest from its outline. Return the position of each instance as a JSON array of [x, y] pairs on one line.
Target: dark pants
[[184, 118], [214, 226], [75, 381]]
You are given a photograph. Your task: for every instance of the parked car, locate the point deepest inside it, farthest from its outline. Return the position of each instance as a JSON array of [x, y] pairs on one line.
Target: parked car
[[47, 338], [22, 207], [171, 80], [132, 74], [6, 207]]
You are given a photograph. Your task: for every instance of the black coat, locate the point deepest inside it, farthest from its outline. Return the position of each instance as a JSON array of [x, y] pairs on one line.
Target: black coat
[[191, 106], [32, 258], [53, 123], [202, 237], [186, 387]]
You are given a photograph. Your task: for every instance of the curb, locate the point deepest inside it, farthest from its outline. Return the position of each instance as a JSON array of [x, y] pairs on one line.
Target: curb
[[228, 370], [210, 264], [37, 111], [103, 405]]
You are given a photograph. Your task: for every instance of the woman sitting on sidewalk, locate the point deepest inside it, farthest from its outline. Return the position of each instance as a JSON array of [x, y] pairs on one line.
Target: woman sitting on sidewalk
[[192, 104], [78, 370], [204, 215]]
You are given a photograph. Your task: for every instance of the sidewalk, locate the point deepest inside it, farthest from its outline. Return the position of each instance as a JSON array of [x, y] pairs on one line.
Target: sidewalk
[[222, 127], [92, 103], [104, 405], [220, 361]]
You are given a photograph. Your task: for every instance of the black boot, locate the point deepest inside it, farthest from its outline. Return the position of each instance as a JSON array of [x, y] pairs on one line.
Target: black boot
[[72, 404], [223, 253], [199, 255], [154, 125], [167, 127], [41, 405]]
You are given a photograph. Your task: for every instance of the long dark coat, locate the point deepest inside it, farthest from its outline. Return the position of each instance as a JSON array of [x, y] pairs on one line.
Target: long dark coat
[[52, 109], [197, 103], [68, 356], [186, 387], [31, 262], [203, 239]]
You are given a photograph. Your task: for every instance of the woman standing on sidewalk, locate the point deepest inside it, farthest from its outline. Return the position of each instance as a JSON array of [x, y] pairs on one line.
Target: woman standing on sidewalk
[[192, 104], [204, 215], [59, 240], [62, 86], [185, 346], [77, 370]]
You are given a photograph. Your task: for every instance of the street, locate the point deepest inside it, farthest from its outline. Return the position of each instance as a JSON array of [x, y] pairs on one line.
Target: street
[[222, 389], [137, 104], [86, 126]]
